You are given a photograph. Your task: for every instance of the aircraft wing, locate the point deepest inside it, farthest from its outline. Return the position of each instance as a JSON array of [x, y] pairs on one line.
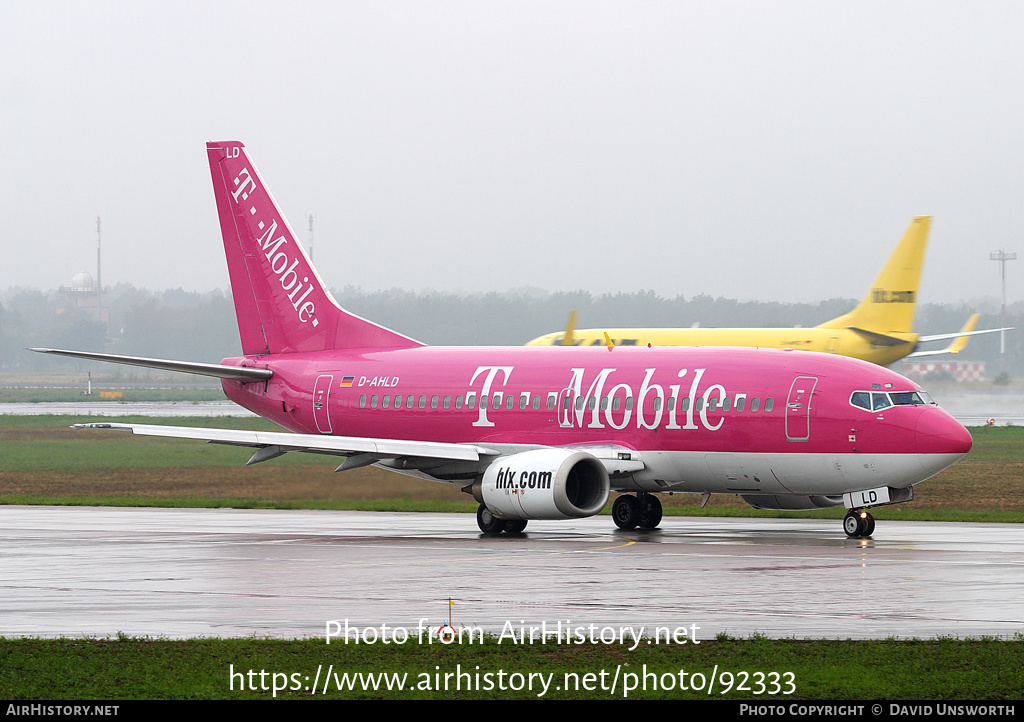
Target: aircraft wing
[[879, 339], [275, 443], [360, 451]]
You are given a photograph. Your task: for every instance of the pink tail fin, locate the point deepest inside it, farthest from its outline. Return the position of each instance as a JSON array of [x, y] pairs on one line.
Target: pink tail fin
[[281, 303]]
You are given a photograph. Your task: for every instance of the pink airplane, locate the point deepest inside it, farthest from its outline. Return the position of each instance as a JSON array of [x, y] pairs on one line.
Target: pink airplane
[[549, 432]]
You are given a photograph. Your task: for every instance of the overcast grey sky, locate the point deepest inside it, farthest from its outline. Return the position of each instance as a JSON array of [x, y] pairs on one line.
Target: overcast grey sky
[[748, 149]]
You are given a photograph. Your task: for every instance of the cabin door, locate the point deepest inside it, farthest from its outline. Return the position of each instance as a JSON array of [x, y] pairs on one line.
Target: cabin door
[[321, 412], [798, 408]]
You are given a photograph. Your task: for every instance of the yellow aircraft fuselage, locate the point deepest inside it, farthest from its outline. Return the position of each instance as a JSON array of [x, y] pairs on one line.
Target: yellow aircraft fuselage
[[877, 330], [827, 340]]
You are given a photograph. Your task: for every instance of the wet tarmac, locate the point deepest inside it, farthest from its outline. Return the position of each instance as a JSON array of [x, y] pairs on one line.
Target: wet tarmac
[[68, 571]]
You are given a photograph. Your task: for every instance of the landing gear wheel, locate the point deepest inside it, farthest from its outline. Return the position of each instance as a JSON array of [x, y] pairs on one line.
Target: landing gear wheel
[[515, 526], [858, 524], [851, 525], [869, 525], [650, 511], [488, 523], [626, 512]]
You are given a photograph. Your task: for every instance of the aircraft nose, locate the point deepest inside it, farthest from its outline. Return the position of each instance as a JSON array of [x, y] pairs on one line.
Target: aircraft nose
[[940, 433]]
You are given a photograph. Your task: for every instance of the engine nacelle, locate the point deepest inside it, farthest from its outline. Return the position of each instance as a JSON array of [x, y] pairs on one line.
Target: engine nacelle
[[544, 484], [791, 502]]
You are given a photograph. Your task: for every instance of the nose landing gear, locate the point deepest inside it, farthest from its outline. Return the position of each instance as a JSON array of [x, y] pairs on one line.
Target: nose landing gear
[[858, 524]]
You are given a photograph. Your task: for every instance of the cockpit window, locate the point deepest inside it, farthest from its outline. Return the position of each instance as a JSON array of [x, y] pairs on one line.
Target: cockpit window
[[861, 399], [906, 398], [878, 400]]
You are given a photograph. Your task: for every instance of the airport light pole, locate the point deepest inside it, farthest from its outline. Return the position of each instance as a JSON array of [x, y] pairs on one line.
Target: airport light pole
[[1002, 257]]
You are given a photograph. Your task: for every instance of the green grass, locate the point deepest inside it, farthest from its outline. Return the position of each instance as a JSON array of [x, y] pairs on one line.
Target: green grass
[[986, 486], [132, 668], [1003, 444], [49, 444]]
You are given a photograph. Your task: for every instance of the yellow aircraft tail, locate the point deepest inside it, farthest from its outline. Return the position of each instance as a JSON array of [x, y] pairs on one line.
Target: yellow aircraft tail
[[569, 338], [958, 345], [889, 305]]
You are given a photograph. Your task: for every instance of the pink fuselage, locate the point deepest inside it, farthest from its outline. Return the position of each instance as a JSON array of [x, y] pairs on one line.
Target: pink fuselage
[[691, 417]]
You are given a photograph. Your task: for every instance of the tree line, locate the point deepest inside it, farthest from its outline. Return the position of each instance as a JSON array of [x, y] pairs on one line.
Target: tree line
[[194, 326]]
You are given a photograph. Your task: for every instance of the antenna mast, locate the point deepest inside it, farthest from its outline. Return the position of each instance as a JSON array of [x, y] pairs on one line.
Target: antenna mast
[[99, 284], [1002, 257], [310, 217]]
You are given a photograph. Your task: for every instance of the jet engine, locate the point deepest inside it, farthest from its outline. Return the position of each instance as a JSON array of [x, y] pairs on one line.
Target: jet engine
[[544, 484], [791, 502]]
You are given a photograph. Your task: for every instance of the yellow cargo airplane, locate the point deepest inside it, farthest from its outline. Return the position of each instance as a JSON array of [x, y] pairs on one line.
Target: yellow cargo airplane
[[878, 330]]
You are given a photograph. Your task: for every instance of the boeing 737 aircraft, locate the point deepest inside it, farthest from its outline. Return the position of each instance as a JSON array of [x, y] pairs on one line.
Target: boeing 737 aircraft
[[877, 330], [548, 433]]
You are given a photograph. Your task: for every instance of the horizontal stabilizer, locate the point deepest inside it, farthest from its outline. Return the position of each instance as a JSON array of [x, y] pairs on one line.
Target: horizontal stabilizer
[[961, 334], [241, 373], [957, 346], [960, 338]]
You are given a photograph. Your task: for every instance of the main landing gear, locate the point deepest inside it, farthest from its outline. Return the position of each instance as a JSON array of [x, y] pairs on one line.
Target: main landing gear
[[858, 524], [642, 510], [490, 524]]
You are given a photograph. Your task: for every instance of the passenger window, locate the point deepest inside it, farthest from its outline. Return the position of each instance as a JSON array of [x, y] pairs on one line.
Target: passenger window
[[433, 401], [685, 404], [726, 402], [754, 403], [536, 402], [483, 401], [629, 403], [769, 403], [712, 404], [657, 403], [447, 401], [591, 402], [698, 403], [362, 401], [579, 403], [385, 401], [523, 401], [423, 401], [373, 401], [616, 403], [604, 403], [458, 401], [409, 401], [551, 402], [471, 400], [496, 401], [510, 401]]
